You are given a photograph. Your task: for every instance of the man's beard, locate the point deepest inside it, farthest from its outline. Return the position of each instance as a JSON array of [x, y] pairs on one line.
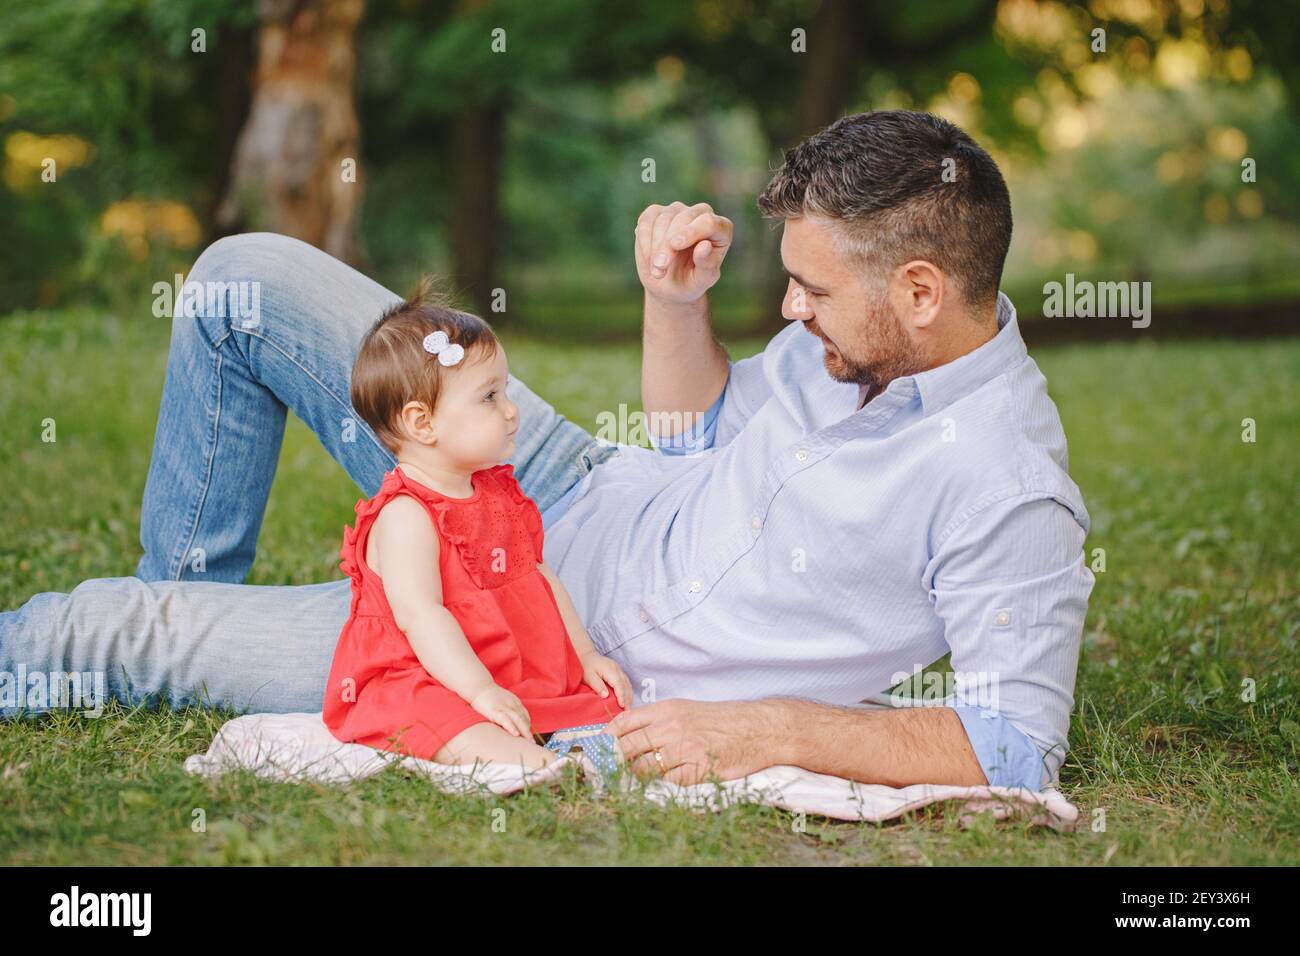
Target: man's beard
[[883, 351]]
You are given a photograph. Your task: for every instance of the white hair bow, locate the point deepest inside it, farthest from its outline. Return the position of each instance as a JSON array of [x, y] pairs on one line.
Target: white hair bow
[[448, 352]]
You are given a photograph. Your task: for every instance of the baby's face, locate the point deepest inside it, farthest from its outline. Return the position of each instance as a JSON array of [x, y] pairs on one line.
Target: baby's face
[[475, 420]]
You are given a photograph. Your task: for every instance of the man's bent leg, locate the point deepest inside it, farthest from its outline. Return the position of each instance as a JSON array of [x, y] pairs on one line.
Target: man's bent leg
[[231, 377], [271, 324], [254, 649]]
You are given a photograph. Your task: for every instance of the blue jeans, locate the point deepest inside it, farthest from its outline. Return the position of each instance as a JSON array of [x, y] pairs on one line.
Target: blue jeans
[[185, 628]]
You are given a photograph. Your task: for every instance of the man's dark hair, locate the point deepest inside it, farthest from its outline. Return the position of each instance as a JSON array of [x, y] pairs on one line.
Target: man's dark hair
[[884, 179]]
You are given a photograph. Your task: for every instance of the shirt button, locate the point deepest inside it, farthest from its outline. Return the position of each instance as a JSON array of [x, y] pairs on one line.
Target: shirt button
[[755, 523], [1002, 619], [695, 586], [801, 455], [644, 616]]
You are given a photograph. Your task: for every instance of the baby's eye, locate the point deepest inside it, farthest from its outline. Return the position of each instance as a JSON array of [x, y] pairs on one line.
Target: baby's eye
[[489, 396]]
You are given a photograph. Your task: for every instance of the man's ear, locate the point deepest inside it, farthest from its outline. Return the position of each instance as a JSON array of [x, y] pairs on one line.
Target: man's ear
[[921, 293]]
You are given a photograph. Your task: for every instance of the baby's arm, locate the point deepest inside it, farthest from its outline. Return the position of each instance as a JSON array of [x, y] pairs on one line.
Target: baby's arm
[[600, 669], [578, 635], [404, 553]]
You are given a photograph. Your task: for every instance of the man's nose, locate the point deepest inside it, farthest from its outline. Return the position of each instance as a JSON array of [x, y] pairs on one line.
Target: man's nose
[[796, 304]]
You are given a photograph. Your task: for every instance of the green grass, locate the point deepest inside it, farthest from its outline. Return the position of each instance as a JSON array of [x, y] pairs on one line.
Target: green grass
[[1198, 595]]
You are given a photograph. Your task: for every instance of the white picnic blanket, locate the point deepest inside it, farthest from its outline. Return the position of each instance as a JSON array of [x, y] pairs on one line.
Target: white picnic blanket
[[299, 747]]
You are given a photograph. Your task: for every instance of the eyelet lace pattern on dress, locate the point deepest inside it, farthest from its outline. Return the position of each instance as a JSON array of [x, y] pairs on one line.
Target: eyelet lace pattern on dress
[[498, 536]]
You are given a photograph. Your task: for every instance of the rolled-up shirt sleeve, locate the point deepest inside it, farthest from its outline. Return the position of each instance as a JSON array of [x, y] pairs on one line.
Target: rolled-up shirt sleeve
[[1012, 586], [698, 436], [1007, 755], [745, 391]]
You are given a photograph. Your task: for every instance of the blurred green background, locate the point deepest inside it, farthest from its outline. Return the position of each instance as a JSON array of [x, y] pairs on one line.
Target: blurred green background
[[524, 170], [504, 145]]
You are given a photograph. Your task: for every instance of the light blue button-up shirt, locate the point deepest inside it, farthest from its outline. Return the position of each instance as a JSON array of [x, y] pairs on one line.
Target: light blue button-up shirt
[[793, 544]]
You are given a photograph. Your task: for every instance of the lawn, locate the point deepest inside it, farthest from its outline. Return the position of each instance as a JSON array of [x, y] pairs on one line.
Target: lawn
[[1185, 740]]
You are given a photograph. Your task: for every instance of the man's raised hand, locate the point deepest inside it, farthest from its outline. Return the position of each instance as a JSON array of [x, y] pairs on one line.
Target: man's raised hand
[[679, 250]]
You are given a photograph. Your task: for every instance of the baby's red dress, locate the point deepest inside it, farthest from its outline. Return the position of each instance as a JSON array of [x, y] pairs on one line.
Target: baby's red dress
[[379, 693]]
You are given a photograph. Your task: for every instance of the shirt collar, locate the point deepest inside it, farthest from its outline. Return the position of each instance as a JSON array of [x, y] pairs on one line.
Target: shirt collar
[[945, 384]]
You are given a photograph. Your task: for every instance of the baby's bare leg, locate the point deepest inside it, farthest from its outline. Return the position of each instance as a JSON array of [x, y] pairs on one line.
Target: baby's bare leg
[[488, 743]]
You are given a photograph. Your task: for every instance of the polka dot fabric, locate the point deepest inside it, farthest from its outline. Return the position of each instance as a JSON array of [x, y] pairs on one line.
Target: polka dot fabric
[[600, 748]]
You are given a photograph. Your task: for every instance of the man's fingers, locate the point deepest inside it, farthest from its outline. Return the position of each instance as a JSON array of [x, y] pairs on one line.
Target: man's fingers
[[703, 250], [639, 247], [649, 214], [659, 232], [663, 233], [645, 765], [643, 232], [663, 246], [675, 226], [709, 235], [706, 225], [639, 745], [685, 774], [636, 719]]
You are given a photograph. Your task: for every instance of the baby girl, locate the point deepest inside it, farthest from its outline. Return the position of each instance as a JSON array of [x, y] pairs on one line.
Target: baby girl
[[462, 646]]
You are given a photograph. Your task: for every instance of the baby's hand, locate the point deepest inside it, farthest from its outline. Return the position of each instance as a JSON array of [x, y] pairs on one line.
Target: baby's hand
[[504, 709], [598, 670]]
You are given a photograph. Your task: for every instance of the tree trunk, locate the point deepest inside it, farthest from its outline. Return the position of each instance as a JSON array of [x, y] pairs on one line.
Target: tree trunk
[[297, 166], [231, 81], [477, 133], [827, 84]]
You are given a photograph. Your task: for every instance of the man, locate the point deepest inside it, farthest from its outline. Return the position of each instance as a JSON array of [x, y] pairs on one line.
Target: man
[[884, 483]]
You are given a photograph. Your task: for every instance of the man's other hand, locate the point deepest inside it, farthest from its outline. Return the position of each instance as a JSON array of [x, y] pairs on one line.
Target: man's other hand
[[697, 739]]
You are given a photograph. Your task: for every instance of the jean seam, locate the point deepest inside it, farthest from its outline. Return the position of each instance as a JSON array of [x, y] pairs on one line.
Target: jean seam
[[197, 514], [225, 334]]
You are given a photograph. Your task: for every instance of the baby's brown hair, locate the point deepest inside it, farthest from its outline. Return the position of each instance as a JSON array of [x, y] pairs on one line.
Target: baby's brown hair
[[393, 367]]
